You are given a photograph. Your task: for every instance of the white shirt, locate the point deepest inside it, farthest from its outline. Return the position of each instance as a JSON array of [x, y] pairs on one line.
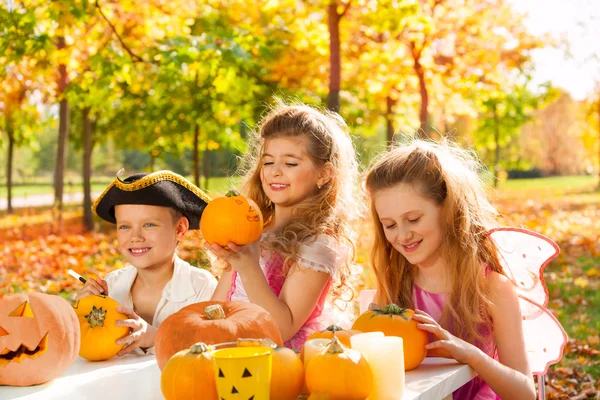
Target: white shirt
[[189, 285]]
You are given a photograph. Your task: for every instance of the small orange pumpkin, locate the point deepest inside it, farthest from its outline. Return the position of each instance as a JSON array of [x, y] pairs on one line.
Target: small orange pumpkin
[[287, 374], [341, 372], [97, 319], [233, 218], [213, 322], [393, 320], [334, 330], [189, 374], [39, 338]]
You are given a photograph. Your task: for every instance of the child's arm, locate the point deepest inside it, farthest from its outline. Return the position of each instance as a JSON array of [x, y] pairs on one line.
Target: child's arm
[[296, 301], [223, 287], [299, 294], [510, 378]]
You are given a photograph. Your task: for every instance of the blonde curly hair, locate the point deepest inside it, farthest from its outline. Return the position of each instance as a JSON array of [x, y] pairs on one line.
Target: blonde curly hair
[[333, 209]]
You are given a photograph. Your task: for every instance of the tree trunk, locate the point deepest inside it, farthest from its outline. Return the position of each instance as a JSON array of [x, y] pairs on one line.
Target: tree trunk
[[9, 166], [88, 219], [389, 119], [206, 169], [196, 155], [335, 58], [424, 128], [63, 137], [497, 142]]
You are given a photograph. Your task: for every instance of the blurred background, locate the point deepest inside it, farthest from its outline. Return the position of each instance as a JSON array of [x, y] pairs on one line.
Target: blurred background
[[90, 87]]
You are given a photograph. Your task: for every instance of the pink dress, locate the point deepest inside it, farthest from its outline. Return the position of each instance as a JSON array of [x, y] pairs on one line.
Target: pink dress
[[476, 389], [323, 255]]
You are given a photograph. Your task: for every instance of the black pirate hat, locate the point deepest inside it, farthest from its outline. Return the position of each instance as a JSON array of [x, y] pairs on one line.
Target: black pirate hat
[[161, 188]]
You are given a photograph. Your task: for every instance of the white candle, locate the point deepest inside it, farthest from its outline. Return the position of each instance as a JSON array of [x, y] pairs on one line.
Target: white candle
[[385, 355], [312, 348]]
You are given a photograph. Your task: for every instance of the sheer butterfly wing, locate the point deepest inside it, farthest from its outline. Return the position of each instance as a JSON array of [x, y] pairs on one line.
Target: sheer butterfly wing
[[523, 255], [545, 338]]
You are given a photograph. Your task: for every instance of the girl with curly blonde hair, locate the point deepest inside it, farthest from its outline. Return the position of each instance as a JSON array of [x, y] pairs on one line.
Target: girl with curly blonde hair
[[302, 172]]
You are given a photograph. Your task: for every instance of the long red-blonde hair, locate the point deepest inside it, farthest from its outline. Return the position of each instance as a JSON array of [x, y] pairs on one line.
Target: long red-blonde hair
[[448, 176]]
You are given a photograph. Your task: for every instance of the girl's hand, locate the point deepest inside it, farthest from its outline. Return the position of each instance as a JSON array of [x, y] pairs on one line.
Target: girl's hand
[[93, 286], [447, 345], [142, 334], [240, 257]]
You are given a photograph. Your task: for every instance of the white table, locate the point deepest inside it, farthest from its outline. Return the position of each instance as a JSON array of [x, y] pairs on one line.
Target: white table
[[133, 377]]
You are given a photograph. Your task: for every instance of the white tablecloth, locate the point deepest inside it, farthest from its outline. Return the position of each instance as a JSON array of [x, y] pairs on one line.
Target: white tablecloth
[[134, 377]]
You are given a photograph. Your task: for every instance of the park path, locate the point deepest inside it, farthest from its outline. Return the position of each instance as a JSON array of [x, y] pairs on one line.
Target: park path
[[39, 200]]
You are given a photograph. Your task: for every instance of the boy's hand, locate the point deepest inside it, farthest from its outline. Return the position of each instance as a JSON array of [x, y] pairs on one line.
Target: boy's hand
[[93, 286], [142, 334], [240, 257]]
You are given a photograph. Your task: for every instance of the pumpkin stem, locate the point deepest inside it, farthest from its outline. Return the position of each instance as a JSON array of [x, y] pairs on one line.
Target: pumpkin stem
[[214, 311], [335, 346], [199, 348], [393, 309], [232, 193], [334, 328], [96, 317]]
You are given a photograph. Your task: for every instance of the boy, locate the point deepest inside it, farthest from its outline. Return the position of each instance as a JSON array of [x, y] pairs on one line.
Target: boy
[[152, 213]]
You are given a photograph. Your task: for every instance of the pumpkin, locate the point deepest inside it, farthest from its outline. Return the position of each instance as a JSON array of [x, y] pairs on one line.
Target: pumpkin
[[189, 374], [287, 374], [334, 330], [393, 320], [312, 347], [39, 338], [233, 218], [341, 372], [213, 322], [97, 318], [319, 396]]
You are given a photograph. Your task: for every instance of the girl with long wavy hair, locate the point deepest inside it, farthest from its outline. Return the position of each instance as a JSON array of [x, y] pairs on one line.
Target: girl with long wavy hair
[[302, 172], [432, 253]]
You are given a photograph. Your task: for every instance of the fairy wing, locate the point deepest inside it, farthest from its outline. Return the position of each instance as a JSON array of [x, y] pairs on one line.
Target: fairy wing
[[523, 255]]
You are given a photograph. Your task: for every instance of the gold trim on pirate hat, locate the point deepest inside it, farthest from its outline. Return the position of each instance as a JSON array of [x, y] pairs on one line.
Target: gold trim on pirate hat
[[161, 188]]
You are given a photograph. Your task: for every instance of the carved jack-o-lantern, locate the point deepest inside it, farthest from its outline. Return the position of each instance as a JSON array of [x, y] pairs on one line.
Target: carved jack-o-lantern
[[39, 338], [243, 373]]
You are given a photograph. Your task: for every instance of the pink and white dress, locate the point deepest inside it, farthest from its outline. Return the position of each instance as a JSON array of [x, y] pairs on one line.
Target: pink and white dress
[[323, 255]]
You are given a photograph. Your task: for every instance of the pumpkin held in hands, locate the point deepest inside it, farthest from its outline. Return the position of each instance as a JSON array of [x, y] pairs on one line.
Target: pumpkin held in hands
[[213, 322], [341, 372], [97, 318], [232, 218], [39, 338], [393, 320], [189, 374]]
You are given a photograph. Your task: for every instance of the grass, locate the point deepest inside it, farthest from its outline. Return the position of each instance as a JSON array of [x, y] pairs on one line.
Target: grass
[[577, 306], [554, 185]]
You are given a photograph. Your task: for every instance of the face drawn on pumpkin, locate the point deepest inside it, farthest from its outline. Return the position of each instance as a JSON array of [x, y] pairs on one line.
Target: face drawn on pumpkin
[[243, 373], [22, 351]]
